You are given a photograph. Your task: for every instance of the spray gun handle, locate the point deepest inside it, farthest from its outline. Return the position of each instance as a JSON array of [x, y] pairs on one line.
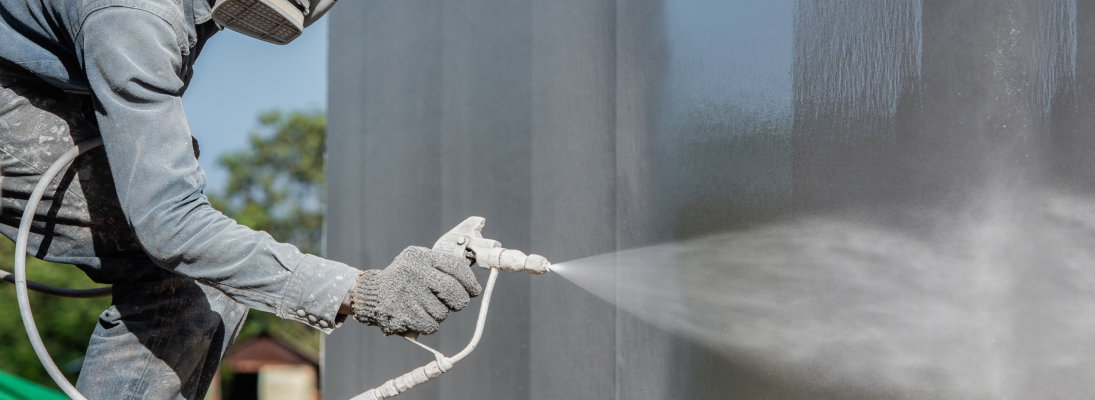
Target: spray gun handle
[[468, 237], [456, 240]]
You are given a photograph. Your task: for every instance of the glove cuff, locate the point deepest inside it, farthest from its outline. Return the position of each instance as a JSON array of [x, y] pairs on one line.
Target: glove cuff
[[366, 298]]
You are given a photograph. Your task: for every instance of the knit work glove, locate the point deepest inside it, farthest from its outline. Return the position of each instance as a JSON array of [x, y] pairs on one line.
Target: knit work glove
[[415, 292]]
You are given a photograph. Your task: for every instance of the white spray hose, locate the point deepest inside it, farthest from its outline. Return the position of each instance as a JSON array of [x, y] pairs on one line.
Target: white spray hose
[[439, 366], [21, 269], [462, 239]]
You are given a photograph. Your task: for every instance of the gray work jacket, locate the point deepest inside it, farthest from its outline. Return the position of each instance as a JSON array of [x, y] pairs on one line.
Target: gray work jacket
[[134, 58]]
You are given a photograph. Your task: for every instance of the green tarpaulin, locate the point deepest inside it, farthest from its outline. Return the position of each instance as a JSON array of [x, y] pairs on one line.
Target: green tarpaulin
[[15, 388]]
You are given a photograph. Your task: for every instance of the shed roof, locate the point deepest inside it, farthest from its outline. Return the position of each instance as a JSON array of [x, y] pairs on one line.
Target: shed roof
[[251, 355]]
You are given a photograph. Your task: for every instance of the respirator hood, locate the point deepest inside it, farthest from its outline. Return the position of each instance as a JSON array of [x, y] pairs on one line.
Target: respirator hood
[[274, 21]]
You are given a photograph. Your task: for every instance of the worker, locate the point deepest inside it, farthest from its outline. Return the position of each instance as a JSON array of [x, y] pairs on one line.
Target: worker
[[132, 213]]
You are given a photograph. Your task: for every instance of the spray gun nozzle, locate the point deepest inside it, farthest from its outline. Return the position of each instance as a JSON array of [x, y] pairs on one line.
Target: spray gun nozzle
[[537, 264], [511, 260]]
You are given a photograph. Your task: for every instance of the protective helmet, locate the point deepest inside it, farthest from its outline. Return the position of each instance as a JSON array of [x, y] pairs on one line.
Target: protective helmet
[[274, 21]]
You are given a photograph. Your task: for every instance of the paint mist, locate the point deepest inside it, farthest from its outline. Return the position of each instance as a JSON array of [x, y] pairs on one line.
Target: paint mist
[[955, 307]]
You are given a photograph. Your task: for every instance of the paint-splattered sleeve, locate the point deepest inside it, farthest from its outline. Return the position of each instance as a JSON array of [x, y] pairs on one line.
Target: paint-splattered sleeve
[[133, 61]]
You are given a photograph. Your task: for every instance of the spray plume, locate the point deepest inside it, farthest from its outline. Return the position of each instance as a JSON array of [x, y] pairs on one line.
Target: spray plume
[[1005, 289]]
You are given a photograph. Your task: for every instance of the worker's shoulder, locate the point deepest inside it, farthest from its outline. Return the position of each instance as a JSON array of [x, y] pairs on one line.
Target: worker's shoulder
[[137, 13], [167, 10]]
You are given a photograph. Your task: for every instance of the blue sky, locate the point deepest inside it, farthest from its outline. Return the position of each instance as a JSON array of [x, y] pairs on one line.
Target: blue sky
[[237, 77]]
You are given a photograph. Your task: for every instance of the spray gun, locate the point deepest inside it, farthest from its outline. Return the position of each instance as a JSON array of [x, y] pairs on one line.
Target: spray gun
[[464, 240], [467, 240]]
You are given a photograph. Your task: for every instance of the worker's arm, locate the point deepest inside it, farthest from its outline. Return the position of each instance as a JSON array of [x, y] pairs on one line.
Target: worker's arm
[[133, 60]]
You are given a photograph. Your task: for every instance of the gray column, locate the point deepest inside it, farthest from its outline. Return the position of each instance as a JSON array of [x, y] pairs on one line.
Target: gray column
[[910, 178]]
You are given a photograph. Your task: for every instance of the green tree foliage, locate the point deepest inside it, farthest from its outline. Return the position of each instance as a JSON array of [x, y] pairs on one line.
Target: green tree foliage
[[276, 185], [64, 324]]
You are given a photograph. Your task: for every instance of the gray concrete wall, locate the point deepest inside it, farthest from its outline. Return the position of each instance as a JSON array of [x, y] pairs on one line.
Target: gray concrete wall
[[584, 127]]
